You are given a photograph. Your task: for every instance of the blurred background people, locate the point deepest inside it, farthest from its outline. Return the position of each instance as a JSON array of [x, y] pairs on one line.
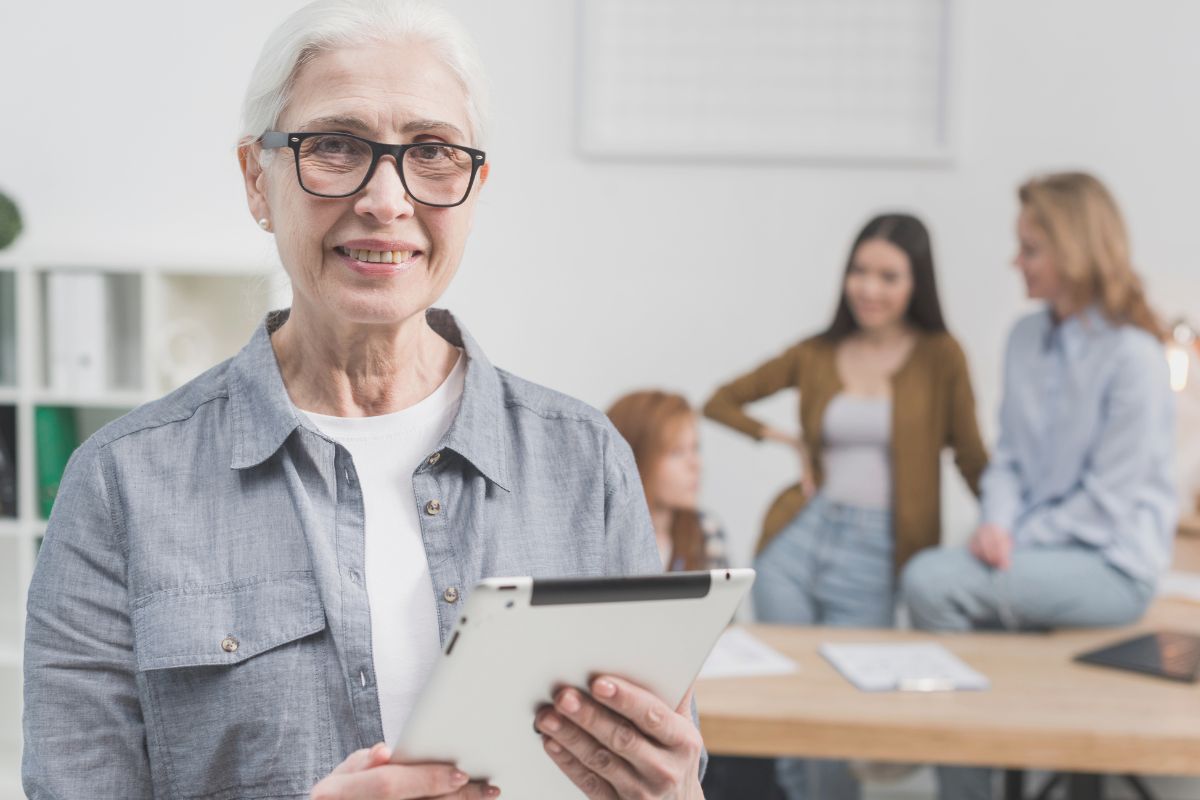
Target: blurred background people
[[883, 390], [662, 430], [1079, 506]]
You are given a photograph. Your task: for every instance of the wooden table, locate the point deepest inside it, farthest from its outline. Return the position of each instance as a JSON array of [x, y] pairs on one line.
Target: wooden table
[[1187, 545], [1190, 525], [1042, 712]]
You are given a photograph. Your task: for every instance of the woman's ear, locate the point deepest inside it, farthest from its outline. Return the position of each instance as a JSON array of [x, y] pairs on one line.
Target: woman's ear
[[250, 160], [483, 173]]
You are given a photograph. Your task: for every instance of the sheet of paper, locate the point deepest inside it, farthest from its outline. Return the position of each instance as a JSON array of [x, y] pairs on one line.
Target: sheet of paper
[[917, 666], [739, 654], [1185, 585]]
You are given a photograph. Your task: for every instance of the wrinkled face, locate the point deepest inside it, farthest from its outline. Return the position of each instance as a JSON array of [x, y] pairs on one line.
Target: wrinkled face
[[386, 93], [879, 284], [1035, 259], [675, 483]]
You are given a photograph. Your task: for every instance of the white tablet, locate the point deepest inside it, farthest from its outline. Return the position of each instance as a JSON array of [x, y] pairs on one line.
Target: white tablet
[[519, 639]]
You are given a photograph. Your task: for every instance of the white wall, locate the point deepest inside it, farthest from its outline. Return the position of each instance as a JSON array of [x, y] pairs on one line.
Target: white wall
[[119, 119]]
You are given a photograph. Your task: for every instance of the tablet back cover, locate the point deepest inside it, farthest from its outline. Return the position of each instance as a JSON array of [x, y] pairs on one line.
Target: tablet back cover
[[516, 643]]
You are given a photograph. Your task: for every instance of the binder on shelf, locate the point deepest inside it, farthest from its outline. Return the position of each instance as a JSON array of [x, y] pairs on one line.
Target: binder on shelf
[[56, 435], [77, 332], [8, 474]]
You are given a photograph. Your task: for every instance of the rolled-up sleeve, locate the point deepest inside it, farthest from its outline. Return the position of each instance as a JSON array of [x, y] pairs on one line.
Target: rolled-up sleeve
[[83, 727]]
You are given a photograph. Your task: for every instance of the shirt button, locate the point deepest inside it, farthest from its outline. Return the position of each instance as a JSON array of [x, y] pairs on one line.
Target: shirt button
[[433, 508], [229, 644], [450, 595], [433, 459]]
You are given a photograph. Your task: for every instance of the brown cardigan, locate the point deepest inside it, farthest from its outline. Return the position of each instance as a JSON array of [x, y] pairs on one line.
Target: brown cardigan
[[932, 407]]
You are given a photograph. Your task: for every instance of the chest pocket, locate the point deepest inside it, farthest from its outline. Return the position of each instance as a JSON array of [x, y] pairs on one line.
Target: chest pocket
[[234, 691]]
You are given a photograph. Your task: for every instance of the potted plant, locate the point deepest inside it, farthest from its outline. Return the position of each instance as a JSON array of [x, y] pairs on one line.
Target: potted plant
[[10, 221]]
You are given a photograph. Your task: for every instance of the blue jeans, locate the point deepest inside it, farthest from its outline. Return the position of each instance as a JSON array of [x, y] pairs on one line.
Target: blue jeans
[[1046, 587], [832, 565]]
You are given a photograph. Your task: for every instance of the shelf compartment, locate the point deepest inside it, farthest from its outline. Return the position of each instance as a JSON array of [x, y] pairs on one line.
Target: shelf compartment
[[12, 591], [92, 331], [8, 462], [10, 730], [58, 430], [205, 320]]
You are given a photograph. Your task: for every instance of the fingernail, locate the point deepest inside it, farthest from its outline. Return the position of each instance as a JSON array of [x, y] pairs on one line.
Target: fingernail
[[492, 791], [553, 746], [459, 778], [604, 688], [550, 722], [570, 702]]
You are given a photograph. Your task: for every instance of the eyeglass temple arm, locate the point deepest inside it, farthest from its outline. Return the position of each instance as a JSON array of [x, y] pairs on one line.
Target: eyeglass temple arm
[[274, 139]]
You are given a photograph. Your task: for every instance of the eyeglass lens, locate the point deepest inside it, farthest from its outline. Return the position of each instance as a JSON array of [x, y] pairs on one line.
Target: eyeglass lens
[[333, 164]]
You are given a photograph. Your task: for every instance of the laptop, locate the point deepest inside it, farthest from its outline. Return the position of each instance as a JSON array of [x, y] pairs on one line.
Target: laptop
[[1164, 654]]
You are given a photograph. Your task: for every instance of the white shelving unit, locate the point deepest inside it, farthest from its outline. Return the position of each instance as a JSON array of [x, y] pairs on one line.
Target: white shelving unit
[[164, 325]]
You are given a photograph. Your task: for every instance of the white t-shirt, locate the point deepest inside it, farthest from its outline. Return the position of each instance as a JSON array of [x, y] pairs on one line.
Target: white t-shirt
[[386, 450]]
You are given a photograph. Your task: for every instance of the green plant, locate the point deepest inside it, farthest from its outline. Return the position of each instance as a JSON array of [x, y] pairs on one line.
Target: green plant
[[10, 221]]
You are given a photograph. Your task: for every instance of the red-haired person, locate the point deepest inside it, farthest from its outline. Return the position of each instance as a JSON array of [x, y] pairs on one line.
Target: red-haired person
[[663, 433], [662, 430]]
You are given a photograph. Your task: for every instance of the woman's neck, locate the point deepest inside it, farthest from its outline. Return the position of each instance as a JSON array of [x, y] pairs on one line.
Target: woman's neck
[[356, 370], [663, 519], [1062, 309], [885, 335]]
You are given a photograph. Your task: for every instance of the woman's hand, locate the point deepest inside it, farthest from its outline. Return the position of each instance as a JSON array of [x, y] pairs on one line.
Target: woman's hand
[[368, 775], [807, 482], [623, 742], [992, 545]]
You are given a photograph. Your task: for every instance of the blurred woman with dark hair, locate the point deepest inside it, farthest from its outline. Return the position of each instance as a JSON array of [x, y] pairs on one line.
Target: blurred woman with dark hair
[[662, 431], [883, 390]]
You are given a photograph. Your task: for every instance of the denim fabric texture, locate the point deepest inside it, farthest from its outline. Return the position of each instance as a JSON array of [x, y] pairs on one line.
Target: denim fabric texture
[[197, 621], [832, 565], [1072, 586]]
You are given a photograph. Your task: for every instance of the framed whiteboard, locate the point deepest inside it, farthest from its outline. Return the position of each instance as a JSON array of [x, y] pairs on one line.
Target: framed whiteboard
[[865, 81]]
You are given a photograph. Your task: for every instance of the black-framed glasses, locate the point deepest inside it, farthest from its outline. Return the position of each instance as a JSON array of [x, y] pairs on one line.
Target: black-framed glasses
[[340, 164]]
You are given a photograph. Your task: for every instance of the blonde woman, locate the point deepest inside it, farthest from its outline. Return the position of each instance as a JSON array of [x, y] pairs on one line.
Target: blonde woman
[[1078, 505]]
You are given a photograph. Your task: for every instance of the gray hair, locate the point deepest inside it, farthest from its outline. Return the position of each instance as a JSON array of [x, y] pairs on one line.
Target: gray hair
[[332, 24]]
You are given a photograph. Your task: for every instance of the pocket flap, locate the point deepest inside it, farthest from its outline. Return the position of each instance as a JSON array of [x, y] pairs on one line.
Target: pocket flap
[[225, 623]]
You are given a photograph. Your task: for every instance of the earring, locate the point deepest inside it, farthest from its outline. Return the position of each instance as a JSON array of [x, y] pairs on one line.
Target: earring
[[265, 224]]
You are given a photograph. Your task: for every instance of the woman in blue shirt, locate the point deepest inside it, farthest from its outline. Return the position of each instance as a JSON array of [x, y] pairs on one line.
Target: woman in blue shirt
[[244, 584], [1078, 503]]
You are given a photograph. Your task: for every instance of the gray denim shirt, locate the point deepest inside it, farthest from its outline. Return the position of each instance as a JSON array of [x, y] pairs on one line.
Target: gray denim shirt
[[198, 623]]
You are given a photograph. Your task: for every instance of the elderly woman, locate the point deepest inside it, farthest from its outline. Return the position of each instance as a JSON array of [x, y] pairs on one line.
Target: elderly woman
[[244, 585]]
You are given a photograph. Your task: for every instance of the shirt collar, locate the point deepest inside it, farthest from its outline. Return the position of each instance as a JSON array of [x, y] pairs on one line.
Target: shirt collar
[[1074, 334], [263, 415]]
